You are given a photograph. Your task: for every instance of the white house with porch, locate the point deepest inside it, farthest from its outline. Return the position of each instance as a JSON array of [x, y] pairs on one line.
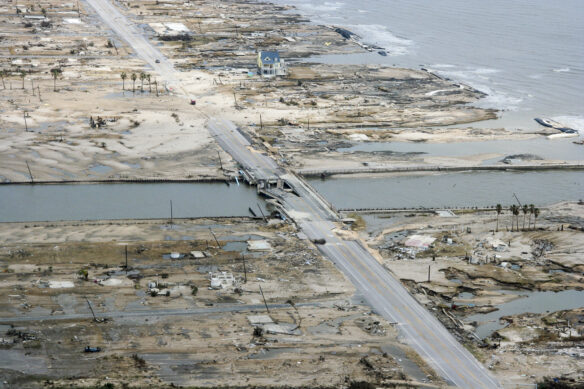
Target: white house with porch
[[270, 64]]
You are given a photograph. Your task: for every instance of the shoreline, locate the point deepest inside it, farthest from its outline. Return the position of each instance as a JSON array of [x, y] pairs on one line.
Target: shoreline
[[133, 145], [338, 104], [142, 271], [505, 82]]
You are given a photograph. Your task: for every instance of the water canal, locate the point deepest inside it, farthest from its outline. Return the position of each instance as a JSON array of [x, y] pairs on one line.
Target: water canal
[[125, 201], [464, 189], [152, 200]]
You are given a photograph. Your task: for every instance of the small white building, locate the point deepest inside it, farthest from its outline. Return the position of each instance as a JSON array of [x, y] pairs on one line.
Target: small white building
[[221, 280], [270, 64]]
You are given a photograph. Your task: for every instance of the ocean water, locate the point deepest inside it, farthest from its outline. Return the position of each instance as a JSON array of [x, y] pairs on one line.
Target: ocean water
[[527, 55]]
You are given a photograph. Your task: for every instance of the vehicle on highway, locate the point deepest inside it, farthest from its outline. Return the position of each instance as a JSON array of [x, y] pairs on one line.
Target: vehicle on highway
[[157, 60]]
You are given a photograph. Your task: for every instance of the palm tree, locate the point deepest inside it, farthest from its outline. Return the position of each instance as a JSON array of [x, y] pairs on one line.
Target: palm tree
[[531, 209], [516, 213], [142, 78], [499, 210], [535, 214], [124, 76], [149, 87], [3, 73], [133, 77], [525, 209], [512, 212], [55, 72]]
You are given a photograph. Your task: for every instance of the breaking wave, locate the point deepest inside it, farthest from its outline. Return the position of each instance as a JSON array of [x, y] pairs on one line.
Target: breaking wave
[[381, 36], [575, 122], [479, 78], [314, 9]]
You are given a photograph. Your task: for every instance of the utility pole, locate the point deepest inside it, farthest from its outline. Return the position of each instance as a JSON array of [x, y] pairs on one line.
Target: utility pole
[[428, 273], [214, 237], [261, 123], [29, 172], [91, 309], [244, 269], [170, 211], [518, 202], [309, 123], [39, 90], [25, 124], [266, 304], [126, 259], [220, 162], [262, 212]]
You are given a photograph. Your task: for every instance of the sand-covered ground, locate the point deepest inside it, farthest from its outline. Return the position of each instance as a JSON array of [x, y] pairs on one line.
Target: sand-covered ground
[[66, 114], [151, 132], [475, 269], [316, 333]]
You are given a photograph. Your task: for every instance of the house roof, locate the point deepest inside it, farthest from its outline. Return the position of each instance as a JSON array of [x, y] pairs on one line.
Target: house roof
[[269, 57]]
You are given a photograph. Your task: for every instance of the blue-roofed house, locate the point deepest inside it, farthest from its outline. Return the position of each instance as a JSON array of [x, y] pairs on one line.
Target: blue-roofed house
[[270, 64]]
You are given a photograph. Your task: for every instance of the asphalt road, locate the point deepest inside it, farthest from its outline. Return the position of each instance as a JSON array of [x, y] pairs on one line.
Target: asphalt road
[[312, 213], [259, 166], [132, 34]]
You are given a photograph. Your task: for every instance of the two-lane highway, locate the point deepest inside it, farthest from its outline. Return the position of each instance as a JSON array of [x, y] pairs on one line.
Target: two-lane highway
[[260, 166], [317, 220]]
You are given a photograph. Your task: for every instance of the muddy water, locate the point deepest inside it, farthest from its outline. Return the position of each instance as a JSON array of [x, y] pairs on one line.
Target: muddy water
[[451, 189], [124, 201], [533, 302]]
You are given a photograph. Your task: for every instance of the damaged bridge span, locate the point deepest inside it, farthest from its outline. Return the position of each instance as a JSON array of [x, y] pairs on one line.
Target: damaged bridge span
[[317, 220]]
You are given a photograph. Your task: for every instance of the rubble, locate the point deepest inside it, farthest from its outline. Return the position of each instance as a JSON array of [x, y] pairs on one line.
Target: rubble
[[221, 280], [156, 310], [463, 276]]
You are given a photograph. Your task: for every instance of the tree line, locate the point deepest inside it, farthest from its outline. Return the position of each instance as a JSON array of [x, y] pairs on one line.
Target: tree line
[[515, 212], [4, 74], [57, 72], [143, 77]]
